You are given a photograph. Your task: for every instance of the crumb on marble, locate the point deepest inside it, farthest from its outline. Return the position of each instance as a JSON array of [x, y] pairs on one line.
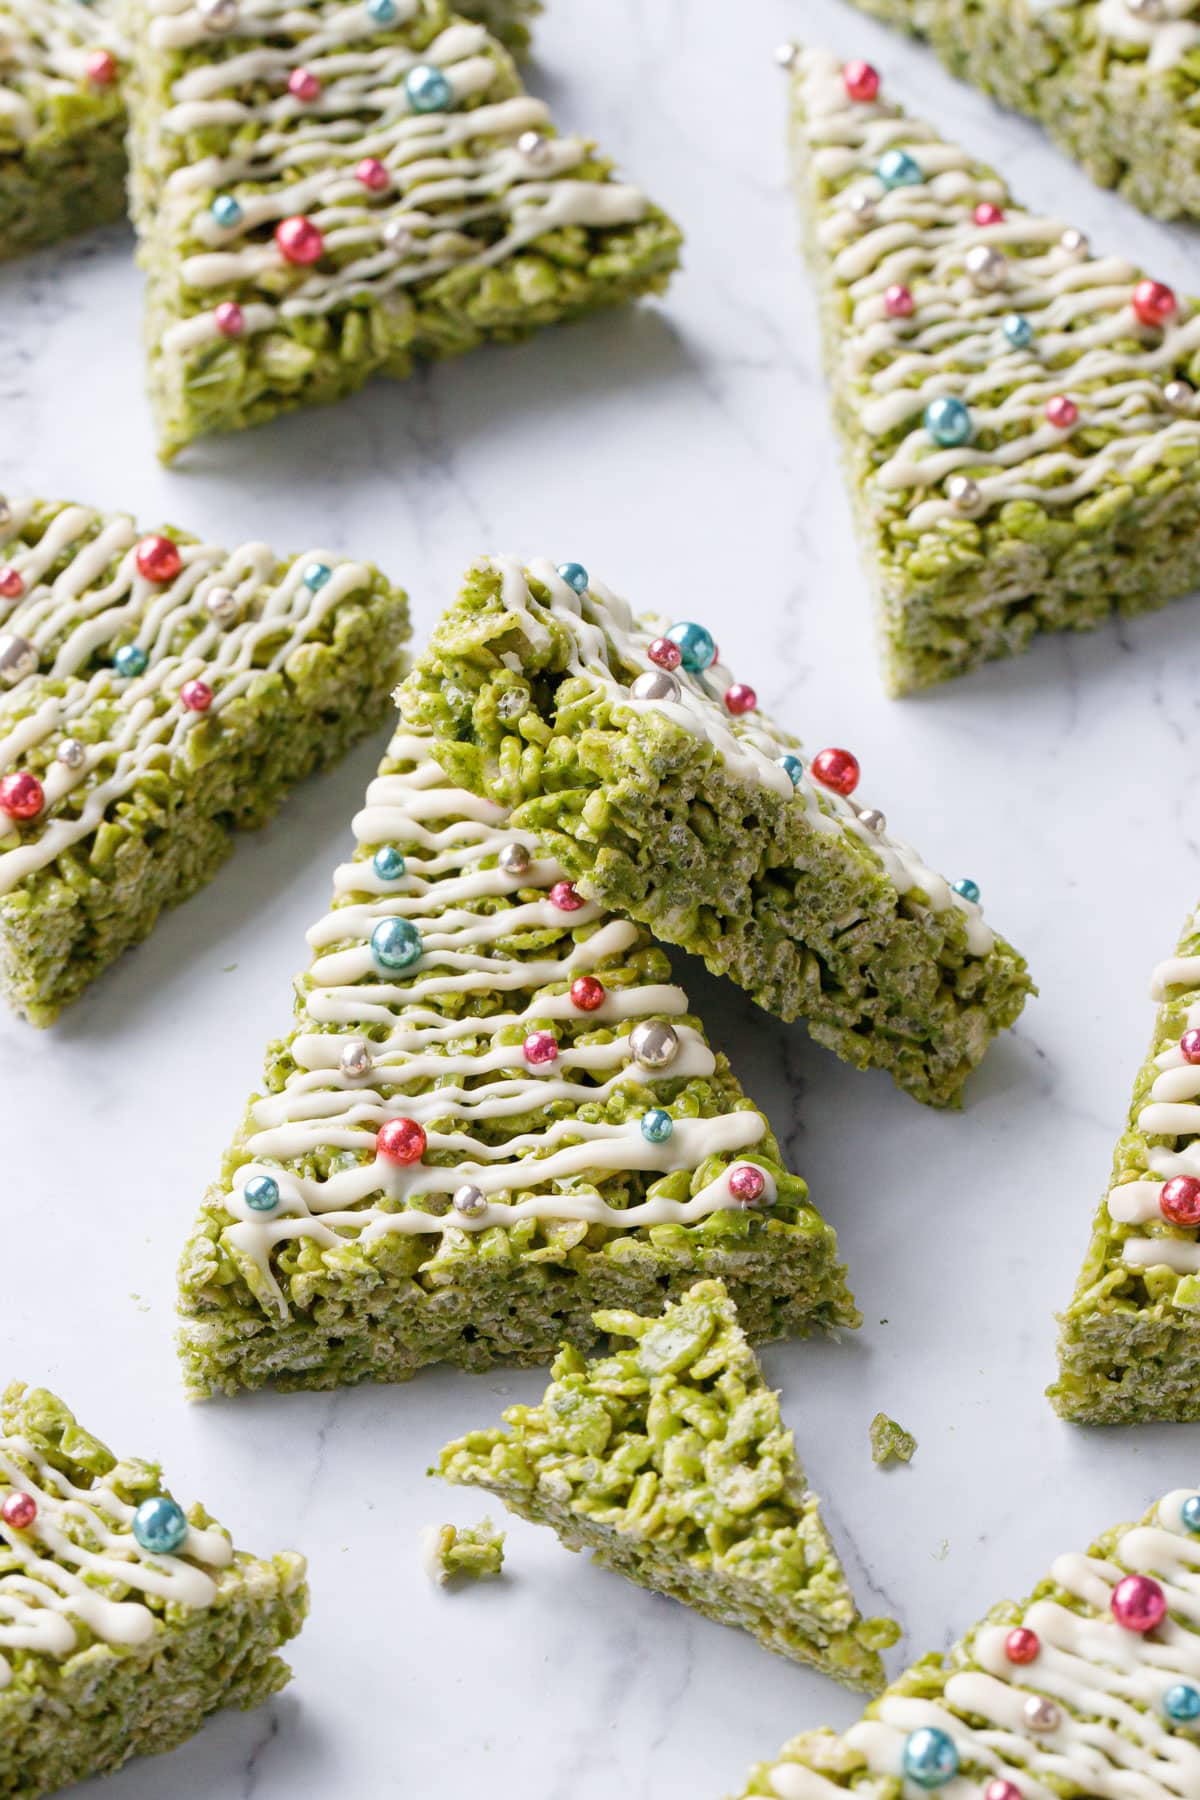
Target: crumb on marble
[[890, 1442]]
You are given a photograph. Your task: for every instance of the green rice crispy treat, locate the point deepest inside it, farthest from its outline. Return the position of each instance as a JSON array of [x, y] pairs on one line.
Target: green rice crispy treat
[[1020, 422], [1117, 85], [670, 1462], [476, 1552], [495, 1115], [1088, 1690], [322, 198], [124, 1621], [62, 122], [1129, 1347], [890, 1442], [155, 694], [670, 796]]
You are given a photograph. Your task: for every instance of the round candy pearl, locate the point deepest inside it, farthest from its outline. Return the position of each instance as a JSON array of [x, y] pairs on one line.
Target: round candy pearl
[[1154, 302], [786, 54], [988, 213], [1138, 1603], [966, 889], [1189, 1512], [697, 647], [1181, 1703], [102, 68], [873, 819], [158, 559], [398, 237], [1022, 1645], [587, 993], [226, 211], [898, 302], [130, 660], [862, 81], [533, 145], [19, 1511], [656, 684], [540, 1047], [18, 658], [159, 1525], [1000, 1789], [427, 89], [304, 85], [401, 1141], [740, 698], [71, 753], [1075, 242], [388, 863], [373, 174], [836, 769], [222, 606], [261, 1193], [653, 1043], [355, 1059], [469, 1201], [657, 1125], [395, 944], [1189, 1046], [948, 421], [1062, 412], [1017, 330], [563, 895], [1041, 1714], [12, 583], [1179, 396], [382, 11], [21, 795], [299, 240], [930, 1758], [987, 267], [515, 859], [229, 319], [664, 654], [1179, 1200], [896, 169], [861, 207], [964, 495], [196, 696], [792, 767], [575, 576], [746, 1183], [316, 576]]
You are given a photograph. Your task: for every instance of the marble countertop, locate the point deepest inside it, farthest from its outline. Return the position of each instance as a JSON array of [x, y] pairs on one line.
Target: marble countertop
[[684, 453]]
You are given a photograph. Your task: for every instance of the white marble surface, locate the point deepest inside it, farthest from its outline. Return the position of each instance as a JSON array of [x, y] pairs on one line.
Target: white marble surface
[[684, 453]]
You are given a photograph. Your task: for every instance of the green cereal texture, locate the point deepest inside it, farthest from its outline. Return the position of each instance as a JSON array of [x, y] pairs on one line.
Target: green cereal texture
[[890, 1442], [475, 1552]]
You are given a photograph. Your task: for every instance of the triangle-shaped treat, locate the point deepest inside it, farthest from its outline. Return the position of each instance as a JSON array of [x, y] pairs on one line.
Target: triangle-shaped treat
[[1129, 1348], [328, 191], [155, 694], [670, 1462], [1114, 82], [1021, 428], [1088, 1690], [667, 792], [495, 1114], [124, 1620], [62, 122]]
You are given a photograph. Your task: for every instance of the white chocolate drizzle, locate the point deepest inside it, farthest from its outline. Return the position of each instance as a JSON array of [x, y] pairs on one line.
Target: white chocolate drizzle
[[1114, 1739], [461, 1075], [79, 1564], [44, 51], [74, 617], [462, 192], [1087, 342], [1166, 39]]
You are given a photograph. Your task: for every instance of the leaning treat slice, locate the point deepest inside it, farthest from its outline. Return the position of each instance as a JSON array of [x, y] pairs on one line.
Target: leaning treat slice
[[494, 1115], [1020, 424], [1116, 83], [327, 191], [671, 1463], [1090, 1688], [156, 693], [663, 788], [1129, 1348], [62, 121], [124, 1620]]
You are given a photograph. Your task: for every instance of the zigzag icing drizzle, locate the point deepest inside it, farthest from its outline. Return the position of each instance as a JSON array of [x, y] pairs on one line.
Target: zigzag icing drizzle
[[606, 634], [1166, 40], [73, 618], [888, 370], [1114, 1740], [417, 1035], [451, 172], [44, 49], [83, 1537], [1172, 1110]]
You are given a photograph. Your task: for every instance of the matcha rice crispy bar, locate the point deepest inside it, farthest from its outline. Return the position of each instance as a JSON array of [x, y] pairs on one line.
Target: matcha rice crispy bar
[[669, 795], [1019, 418], [1088, 1690], [1116, 83], [124, 1620], [155, 694], [1129, 1347], [669, 1460], [327, 191], [496, 1113]]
